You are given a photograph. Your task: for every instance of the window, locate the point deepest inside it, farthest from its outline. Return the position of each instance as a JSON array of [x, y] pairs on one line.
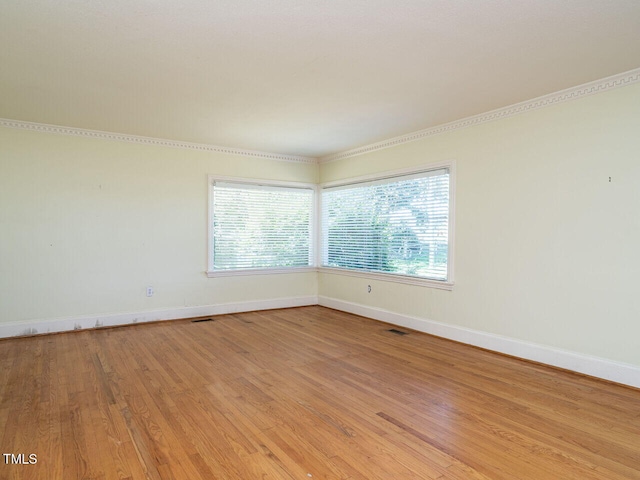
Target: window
[[397, 225], [257, 227]]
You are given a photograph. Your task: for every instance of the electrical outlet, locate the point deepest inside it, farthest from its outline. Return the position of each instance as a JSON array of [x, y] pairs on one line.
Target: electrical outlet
[[149, 291]]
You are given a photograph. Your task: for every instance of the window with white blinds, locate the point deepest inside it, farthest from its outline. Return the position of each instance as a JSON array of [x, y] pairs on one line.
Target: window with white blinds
[[397, 225], [260, 226]]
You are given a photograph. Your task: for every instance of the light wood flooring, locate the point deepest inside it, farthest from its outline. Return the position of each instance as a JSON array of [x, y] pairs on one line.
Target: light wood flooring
[[303, 393]]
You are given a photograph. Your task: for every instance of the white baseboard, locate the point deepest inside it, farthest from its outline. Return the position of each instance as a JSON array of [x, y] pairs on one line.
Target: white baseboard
[[577, 362], [589, 365], [16, 329]]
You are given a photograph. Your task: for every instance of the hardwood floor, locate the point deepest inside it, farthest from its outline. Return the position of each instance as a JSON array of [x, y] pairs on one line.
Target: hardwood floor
[[296, 394]]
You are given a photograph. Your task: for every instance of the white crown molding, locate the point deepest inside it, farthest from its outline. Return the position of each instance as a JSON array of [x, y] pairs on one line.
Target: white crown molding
[[121, 137], [573, 93]]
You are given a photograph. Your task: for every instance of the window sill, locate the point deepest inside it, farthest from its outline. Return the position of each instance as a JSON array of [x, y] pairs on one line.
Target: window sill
[[258, 271], [387, 277]]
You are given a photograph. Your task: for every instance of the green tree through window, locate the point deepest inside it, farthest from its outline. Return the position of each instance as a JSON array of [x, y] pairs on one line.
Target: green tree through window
[[256, 226], [396, 225]]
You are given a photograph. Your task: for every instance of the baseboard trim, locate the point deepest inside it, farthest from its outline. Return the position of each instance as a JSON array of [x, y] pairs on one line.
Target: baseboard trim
[[588, 365], [19, 329]]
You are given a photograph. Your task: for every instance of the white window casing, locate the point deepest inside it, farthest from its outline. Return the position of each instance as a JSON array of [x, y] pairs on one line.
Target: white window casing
[[396, 226], [260, 227]]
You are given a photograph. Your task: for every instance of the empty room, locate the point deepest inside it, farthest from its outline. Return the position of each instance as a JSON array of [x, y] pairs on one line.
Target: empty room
[[320, 240]]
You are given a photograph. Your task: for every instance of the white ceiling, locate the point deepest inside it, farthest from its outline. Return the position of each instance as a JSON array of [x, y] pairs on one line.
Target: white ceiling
[[298, 77]]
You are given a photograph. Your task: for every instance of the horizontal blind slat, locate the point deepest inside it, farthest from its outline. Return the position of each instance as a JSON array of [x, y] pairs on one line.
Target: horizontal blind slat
[[261, 226], [392, 225]]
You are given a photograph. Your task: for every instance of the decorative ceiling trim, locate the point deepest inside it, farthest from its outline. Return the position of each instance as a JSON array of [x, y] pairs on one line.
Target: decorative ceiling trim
[[586, 89], [573, 93], [121, 137]]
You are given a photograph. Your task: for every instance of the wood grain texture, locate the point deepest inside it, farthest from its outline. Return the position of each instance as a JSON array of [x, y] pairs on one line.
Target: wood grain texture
[[301, 393]]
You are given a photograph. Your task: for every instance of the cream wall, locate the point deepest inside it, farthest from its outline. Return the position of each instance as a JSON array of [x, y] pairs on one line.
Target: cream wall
[[86, 224], [547, 250]]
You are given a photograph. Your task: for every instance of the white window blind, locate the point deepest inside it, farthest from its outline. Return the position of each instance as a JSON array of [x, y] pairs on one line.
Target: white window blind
[[260, 226], [397, 225]]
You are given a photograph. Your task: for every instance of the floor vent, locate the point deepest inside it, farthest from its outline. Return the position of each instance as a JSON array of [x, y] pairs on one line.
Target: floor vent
[[203, 320], [397, 332]]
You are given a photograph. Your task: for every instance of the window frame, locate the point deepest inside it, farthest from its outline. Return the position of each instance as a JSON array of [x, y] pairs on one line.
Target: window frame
[[313, 224], [395, 277]]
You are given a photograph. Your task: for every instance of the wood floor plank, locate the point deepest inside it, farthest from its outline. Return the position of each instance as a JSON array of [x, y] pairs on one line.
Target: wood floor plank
[[302, 393]]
